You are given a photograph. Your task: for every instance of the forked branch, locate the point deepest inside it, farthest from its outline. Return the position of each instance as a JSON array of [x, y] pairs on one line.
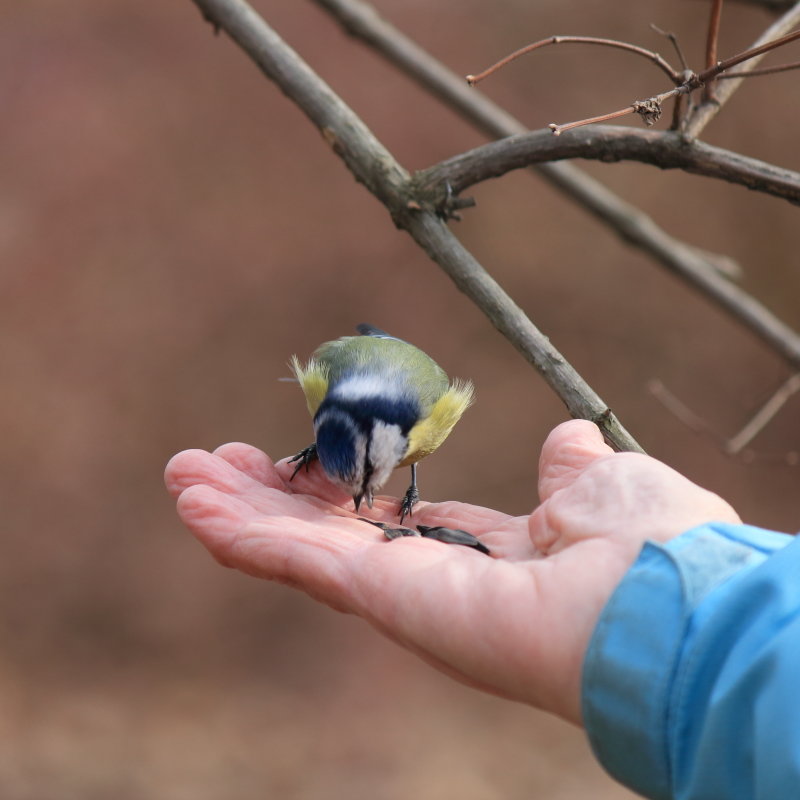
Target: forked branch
[[373, 165]]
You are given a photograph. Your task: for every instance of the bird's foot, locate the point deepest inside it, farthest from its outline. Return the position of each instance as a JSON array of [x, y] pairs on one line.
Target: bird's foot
[[305, 457], [410, 499]]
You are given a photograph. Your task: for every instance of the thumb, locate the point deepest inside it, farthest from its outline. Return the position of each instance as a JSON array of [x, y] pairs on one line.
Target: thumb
[[567, 451]]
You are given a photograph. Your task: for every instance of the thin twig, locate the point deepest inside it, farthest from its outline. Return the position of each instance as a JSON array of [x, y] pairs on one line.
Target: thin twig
[[568, 126], [764, 415], [376, 168], [667, 150], [747, 55], [361, 20], [676, 45], [735, 446], [610, 143], [705, 112], [661, 63], [650, 109], [755, 73], [711, 46], [682, 412]]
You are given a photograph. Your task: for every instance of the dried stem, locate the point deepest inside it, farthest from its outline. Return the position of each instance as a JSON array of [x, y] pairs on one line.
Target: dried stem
[[559, 129], [736, 444], [650, 109], [764, 415], [666, 150], [755, 73], [374, 166], [711, 45], [747, 55], [705, 112], [679, 409], [661, 63], [361, 20], [675, 44]]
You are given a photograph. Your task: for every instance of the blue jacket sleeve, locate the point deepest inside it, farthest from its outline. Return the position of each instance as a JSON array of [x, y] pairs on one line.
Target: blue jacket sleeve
[[691, 677]]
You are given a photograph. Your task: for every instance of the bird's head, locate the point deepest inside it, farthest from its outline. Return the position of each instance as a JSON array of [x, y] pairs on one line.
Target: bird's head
[[361, 439]]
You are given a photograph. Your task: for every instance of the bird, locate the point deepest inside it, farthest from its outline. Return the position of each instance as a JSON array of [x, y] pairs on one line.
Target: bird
[[377, 403]]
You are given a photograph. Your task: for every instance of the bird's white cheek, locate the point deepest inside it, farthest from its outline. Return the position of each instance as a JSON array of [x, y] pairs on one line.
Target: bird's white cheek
[[386, 449]]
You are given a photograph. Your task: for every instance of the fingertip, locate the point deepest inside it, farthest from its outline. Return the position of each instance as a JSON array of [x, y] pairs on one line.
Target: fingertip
[[580, 431], [252, 462], [179, 467], [569, 449], [213, 518]]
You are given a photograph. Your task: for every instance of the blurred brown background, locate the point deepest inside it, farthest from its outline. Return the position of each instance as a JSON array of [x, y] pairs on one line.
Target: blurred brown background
[[171, 230]]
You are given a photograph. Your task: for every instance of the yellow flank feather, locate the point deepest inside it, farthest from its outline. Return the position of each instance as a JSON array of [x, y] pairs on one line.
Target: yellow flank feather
[[313, 380], [430, 432]]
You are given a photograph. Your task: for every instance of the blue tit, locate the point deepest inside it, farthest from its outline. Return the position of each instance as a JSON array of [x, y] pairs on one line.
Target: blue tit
[[378, 403]]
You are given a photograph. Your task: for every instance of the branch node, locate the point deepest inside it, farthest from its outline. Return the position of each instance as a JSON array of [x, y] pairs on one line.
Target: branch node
[[211, 21], [649, 110]]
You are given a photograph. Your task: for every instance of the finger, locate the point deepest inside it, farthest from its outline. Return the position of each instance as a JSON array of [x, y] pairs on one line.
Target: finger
[[215, 518], [311, 480], [198, 467], [567, 451], [453, 514], [252, 461]]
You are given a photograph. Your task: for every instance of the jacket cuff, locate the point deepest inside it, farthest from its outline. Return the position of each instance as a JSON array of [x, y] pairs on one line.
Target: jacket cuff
[[635, 650]]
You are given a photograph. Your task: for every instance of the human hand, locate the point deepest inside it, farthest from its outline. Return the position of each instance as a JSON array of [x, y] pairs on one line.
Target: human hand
[[516, 624]]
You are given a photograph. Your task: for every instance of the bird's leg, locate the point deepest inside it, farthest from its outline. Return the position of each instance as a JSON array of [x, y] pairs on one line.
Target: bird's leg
[[410, 497], [305, 457]]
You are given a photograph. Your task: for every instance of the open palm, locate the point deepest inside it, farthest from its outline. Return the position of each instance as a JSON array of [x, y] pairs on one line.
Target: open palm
[[515, 624]]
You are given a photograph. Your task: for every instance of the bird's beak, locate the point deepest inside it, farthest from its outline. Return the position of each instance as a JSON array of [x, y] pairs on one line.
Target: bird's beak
[[357, 499]]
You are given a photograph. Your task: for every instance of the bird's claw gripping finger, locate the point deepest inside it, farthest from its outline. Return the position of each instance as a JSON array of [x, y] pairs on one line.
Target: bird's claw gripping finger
[[305, 457]]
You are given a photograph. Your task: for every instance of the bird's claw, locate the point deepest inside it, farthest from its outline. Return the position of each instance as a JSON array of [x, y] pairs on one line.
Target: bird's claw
[[305, 457], [410, 499]]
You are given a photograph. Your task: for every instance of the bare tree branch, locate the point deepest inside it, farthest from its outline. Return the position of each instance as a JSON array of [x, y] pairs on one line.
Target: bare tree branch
[[661, 63], [361, 20], [736, 444], [705, 112], [757, 73], [376, 168], [764, 415], [494, 158], [609, 143], [650, 109]]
